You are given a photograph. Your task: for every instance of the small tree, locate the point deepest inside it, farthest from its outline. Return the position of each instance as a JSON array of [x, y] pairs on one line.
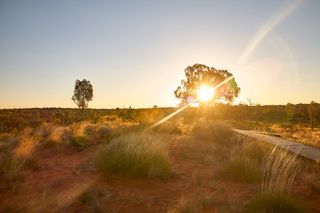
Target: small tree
[[200, 74], [82, 94]]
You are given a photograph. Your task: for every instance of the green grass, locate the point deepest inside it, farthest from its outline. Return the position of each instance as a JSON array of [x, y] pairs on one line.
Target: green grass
[[135, 155], [274, 203]]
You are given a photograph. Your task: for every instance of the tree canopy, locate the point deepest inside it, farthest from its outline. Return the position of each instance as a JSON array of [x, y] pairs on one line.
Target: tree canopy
[[199, 75], [82, 93]]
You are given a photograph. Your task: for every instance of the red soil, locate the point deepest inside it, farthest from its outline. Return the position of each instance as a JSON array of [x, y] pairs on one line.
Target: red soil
[[65, 175]]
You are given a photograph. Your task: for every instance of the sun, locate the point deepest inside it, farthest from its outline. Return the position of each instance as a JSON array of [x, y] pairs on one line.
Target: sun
[[205, 93]]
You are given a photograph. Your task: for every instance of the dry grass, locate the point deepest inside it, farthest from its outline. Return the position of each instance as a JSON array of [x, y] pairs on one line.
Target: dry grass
[[244, 161], [139, 154], [280, 171], [212, 131], [168, 128], [301, 133]]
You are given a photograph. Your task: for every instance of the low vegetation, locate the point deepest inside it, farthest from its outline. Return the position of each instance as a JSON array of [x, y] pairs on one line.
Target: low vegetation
[[280, 171], [199, 159], [137, 155]]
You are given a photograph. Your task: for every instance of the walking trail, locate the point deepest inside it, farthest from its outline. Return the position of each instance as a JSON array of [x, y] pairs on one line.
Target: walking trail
[[297, 148]]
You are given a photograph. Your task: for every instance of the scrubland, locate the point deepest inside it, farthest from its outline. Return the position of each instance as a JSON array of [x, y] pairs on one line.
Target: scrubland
[[116, 163]]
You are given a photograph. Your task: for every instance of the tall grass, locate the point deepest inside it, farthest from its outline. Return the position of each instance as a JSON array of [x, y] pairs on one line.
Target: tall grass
[[279, 173], [137, 155], [244, 160]]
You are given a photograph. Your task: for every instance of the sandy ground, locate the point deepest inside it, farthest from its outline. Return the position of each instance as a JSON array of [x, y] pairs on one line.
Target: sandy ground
[[64, 176]]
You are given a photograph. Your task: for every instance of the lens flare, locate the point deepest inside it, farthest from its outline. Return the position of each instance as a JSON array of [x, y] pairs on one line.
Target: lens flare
[[205, 93], [254, 42]]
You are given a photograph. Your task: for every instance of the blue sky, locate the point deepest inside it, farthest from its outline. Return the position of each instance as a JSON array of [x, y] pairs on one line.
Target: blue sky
[[134, 52]]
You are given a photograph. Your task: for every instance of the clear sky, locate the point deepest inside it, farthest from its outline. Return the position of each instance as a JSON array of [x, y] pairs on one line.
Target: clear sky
[[134, 52]]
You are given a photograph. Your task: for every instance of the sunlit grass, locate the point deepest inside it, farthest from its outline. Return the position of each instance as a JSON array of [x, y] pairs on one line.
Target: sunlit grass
[[137, 155], [280, 171]]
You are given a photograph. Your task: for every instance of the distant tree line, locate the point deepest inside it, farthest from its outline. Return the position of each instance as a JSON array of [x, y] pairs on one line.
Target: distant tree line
[[16, 119]]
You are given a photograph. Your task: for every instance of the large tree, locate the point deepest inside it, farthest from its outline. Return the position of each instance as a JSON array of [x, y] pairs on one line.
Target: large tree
[[82, 93], [225, 87]]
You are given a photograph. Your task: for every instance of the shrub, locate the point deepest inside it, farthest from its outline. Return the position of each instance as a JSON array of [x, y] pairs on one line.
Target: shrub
[[137, 155]]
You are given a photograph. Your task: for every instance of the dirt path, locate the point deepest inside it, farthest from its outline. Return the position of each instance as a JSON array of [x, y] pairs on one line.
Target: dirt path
[[298, 148]]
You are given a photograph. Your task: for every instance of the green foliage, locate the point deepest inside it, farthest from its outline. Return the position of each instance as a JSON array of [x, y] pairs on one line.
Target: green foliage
[[271, 203], [136, 155], [200, 74]]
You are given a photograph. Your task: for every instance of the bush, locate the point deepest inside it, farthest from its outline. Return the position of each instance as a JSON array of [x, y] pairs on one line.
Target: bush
[[137, 155]]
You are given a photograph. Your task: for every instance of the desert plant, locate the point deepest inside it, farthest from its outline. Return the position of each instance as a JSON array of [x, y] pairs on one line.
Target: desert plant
[[280, 171], [279, 174], [138, 154]]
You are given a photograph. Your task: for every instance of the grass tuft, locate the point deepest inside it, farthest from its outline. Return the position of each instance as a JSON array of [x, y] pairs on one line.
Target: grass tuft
[[137, 155]]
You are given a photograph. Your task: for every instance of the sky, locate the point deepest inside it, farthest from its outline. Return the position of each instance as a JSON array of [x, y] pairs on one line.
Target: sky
[[134, 52]]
